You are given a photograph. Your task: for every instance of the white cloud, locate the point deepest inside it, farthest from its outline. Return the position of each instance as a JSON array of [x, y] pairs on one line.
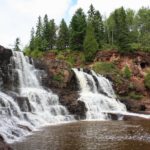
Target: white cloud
[[107, 6], [18, 16]]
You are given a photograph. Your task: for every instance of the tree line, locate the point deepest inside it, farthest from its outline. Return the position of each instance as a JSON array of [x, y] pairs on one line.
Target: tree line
[[124, 30]]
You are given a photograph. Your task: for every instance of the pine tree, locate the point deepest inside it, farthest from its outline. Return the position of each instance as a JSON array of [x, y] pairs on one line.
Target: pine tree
[[77, 30], [63, 36], [32, 41], [17, 43], [96, 20], [90, 43], [52, 34], [38, 37], [121, 30], [98, 28], [91, 13], [45, 34]]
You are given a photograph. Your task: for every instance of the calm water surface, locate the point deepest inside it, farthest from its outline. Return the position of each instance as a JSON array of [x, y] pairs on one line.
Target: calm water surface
[[95, 135]]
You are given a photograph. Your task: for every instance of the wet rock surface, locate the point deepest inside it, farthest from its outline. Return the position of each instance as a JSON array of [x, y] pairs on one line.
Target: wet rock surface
[[3, 145], [62, 81], [5, 79]]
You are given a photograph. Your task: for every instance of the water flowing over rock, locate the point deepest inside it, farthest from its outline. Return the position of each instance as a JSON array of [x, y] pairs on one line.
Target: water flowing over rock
[[98, 95], [32, 105]]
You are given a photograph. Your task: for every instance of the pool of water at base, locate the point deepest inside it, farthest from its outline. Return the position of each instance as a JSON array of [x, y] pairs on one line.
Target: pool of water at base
[[90, 135]]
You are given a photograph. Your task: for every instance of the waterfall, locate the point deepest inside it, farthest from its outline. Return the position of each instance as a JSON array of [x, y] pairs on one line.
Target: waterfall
[[97, 93], [32, 105]]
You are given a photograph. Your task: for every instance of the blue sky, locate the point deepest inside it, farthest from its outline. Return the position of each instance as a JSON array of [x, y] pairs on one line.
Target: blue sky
[[17, 17]]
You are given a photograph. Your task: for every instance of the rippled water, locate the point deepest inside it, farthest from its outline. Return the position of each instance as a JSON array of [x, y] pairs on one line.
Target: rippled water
[[95, 135]]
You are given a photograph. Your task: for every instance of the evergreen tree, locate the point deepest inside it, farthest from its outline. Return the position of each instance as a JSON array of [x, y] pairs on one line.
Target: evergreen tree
[[143, 26], [38, 37], [52, 34], [121, 30], [98, 28], [17, 43], [77, 30], [91, 13], [96, 20], [46, 33], [90, 43], [63, 36], [133, 32], [32, 41], [109, 26]]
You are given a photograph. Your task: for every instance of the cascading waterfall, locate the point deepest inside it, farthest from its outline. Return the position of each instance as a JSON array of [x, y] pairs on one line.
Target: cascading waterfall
[[98, 95], [35, 107]]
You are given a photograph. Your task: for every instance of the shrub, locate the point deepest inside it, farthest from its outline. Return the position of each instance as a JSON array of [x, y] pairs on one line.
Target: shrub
[[135, 96], [104, 68], [58, 77], [127, 73], [147, 81], [36, 54]]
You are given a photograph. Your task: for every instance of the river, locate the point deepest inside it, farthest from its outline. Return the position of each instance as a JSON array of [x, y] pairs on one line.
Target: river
[[90, 135]]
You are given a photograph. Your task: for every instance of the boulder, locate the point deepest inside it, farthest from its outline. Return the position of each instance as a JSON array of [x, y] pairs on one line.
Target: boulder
[[4, 145]]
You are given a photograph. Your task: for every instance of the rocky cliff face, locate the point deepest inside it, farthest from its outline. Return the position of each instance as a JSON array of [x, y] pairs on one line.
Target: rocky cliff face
[[62, 81], [128, 89], [5, 55]]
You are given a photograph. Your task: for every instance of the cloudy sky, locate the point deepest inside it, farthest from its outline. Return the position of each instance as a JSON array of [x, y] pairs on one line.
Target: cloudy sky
[[17, 17]]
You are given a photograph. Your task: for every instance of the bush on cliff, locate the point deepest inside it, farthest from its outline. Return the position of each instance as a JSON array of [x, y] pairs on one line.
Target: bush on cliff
[[104, 68], [127, 72], [147, 81]]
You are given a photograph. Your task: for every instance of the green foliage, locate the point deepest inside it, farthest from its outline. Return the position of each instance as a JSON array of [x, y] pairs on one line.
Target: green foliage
[[63, 36], [95, 18], [52, 34], [127, 73], [135, 46], [124, 30], [135, 96], [104, 68], [58, 77], [121, 30], [36, 54], [17, 44], [90, 44], [147, 81], [60, 56], [108, 46], [77, 30]]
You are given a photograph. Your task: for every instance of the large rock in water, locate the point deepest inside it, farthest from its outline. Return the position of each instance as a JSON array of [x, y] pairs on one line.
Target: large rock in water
[[3, 145], [62, 81], [5, 79]]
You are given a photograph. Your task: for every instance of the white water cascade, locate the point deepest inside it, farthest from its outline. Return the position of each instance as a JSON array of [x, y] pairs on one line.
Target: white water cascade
[[97, 93], [35, 107]]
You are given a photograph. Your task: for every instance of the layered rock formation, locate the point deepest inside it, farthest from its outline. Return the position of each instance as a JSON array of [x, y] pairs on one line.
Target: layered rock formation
[[139, 65], [62, 81], [5, 55]]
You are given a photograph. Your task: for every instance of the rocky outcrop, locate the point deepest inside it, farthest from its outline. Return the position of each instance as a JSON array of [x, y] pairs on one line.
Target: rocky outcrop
[[3, 145], [62, 81], [131, 89], [5, 55]]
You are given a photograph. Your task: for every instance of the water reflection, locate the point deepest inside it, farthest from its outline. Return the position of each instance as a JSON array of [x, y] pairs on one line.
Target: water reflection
[[110, 135]]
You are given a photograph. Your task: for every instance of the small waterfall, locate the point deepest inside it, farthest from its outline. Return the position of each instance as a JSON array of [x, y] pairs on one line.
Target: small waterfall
[[32, 106], [98, 95]]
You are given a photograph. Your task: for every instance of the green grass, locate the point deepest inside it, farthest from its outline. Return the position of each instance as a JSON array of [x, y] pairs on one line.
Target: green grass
[[105, 68]]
